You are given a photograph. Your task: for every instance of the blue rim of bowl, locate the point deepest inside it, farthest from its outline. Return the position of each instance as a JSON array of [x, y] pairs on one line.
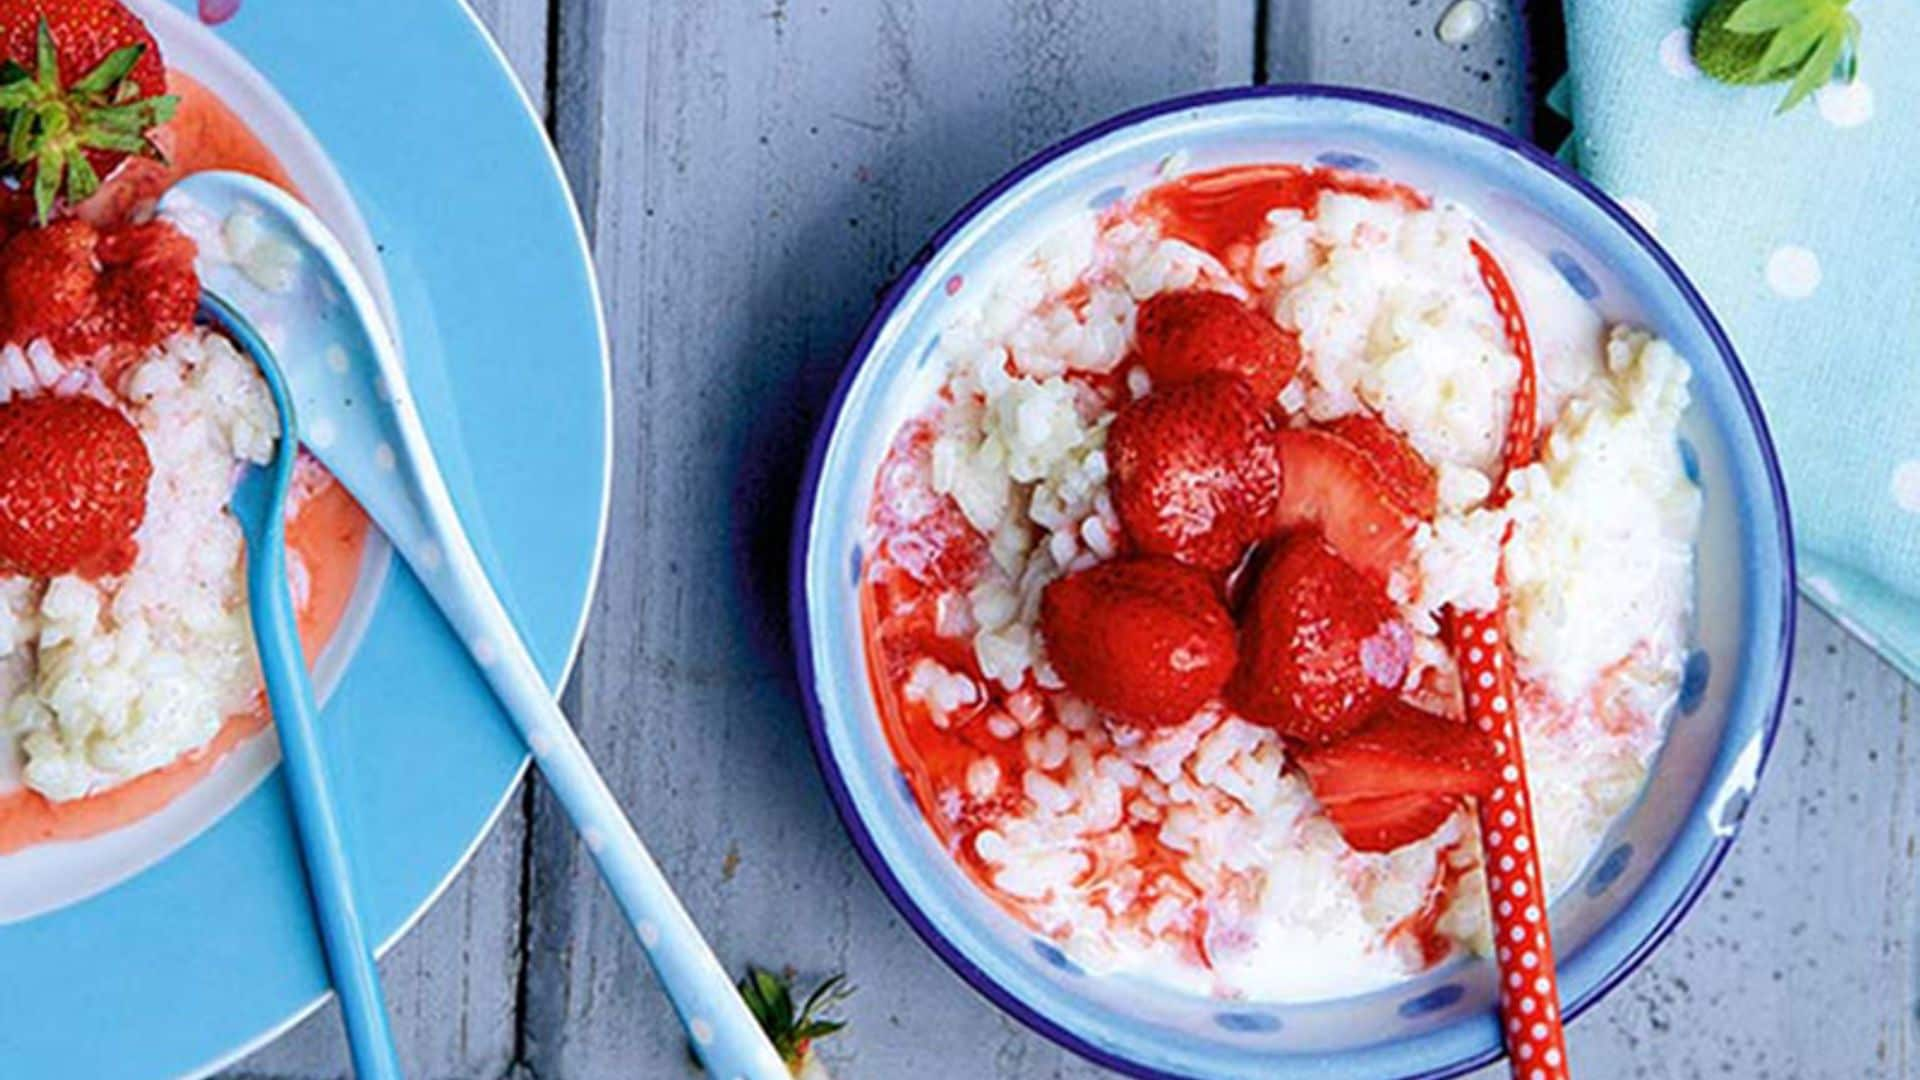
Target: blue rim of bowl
[[884, 311]]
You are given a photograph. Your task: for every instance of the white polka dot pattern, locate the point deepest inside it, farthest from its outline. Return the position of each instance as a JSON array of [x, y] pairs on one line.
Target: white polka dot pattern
[[1519, 445], [1513, 871], [1529, 994]]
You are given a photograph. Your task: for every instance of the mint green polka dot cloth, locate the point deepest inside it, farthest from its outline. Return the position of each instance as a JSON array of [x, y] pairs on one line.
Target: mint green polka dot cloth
[[1803, 231]]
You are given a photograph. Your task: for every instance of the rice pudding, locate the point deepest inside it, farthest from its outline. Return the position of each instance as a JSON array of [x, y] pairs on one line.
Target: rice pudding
[[127, 668], [1157, 581]]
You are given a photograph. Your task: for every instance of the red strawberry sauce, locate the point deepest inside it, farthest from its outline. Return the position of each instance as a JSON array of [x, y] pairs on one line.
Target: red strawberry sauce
[[912, 562], [1224, 211], [329, 533]]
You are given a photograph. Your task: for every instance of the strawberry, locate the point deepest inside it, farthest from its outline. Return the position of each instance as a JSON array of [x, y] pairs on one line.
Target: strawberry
[[1320, 646], [1401, 750], [49, 280], [1184, 335], [1398, 777], [82, 84], [1333, 485], [150, 289], [1390, 821], [1195, 473], [83, 289], [1407, 477], [73, 487], [1145, 639]]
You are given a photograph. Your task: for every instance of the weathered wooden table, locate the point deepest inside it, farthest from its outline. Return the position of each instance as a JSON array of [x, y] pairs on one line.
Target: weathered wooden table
[[751, 171]]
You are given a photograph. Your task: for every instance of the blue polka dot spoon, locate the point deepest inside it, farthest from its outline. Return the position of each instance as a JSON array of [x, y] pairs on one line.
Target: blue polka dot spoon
[[344, 373], [260, 503]]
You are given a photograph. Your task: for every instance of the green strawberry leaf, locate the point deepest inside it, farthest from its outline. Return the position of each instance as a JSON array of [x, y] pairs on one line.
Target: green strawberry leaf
[[1743, 42], [1790, 46], [1817, 72], [1760, 16], [769, 997]]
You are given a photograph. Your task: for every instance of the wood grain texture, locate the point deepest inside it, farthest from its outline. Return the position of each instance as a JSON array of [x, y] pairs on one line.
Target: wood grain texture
[[1392, 45], [453, 983], [753, 173], [1799, 961]]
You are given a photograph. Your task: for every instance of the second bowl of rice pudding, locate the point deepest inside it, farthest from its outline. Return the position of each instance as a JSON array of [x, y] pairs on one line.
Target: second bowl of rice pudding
[[1131, 545]]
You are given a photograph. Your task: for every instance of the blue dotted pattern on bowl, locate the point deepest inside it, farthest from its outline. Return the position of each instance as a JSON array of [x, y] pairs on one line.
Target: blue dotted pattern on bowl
[[1432, 1001], [1342, 159], [1106, 197], [1051, 954], [1247, 1022], [854, 566], [1609, 870], [1690, 461], [1693, 681], [1576, 275]]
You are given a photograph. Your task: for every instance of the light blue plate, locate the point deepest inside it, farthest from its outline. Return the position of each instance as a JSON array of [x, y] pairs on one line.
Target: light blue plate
[[1660, 854], [448, 189]]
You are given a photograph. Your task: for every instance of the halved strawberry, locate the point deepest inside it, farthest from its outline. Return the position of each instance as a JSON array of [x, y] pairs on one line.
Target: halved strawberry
[[1407, 476], [1391, 821], [1145, 639], [1320, 646], [1195, 473], [1184, 335], [73, 487], [1398, 777], [82, 84], [1402, 750], [1332, 486]]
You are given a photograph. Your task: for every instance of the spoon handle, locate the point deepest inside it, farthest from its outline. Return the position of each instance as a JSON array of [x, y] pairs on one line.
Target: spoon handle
[[725, 1035], [356, 977]]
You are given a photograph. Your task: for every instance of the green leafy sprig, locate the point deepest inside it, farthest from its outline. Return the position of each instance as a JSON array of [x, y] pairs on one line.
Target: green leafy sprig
[[793, 1030], [1747, 42]]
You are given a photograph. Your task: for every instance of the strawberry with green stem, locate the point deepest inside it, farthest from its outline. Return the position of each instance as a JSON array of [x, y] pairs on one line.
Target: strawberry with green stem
[[64, 138], [1746, 42], [793, 1031]]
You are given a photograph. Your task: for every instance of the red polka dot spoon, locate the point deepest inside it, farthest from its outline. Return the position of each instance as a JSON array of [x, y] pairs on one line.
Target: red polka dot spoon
[[1516, 889]]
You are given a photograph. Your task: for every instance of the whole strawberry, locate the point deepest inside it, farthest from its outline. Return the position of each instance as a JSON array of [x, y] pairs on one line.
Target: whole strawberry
[[1147, 640], [73, 487], [82, 289], [82, 86], [1195, 473], [1182, 336], [1320, 645], [49, 281]]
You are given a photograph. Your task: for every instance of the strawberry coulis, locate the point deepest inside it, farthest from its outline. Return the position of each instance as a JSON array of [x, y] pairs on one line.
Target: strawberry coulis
[[1223, 211], [329, 532], [912, 563]]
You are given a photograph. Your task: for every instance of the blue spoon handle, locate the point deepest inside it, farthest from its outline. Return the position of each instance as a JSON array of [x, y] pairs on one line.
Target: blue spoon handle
[[356, 978], [724, 1033]]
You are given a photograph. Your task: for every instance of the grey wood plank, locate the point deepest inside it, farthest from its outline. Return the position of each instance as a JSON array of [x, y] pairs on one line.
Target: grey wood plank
[[753, 173], [1392, 45], [453, 983], [1799, 961]]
